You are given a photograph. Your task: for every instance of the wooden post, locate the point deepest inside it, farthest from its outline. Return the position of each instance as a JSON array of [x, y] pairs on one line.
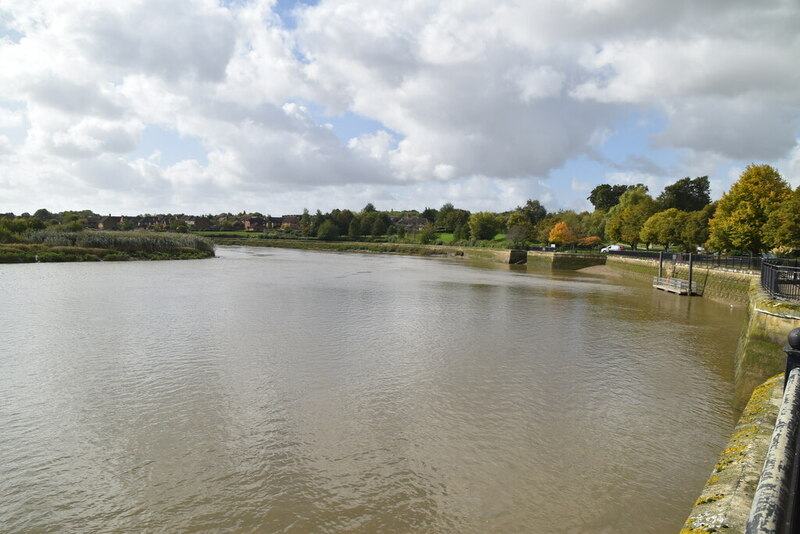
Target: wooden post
[[690, 274], [661, 264]]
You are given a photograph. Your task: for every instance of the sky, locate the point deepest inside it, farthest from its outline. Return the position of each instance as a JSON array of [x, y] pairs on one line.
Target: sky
[[209, 106]]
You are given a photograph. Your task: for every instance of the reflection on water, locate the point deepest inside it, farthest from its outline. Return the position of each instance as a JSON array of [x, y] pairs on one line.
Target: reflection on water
[[288, 391]]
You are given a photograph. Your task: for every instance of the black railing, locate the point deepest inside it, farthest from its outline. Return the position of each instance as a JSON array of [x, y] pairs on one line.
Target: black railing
[[738, 263], [781, 278], [776, 504]]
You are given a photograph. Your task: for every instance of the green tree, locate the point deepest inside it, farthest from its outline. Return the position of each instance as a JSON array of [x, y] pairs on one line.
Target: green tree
[[782, 228], [686, 194], [428, 234], [430, 214], [461, 232], [381, 224], [369, 208], [695, 230], [743, 211], [305, 223], [519, 228], [328, 231], [626, 219], [484, 225], [533, 211], [664, 227], [605, 196], [354, 230]]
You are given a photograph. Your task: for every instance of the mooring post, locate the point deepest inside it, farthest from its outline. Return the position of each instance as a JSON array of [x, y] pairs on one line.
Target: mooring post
[[661, 264], [690, 274], [792, 354]]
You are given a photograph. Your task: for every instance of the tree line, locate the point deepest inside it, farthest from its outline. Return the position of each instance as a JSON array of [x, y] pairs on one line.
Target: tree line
[[759, 213]]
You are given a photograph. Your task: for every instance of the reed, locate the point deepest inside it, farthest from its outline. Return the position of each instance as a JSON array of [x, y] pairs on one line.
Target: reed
[[131, 242]]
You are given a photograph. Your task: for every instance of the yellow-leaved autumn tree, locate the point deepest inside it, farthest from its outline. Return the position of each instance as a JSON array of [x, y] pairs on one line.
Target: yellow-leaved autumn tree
[[562, 234], [738, 223]]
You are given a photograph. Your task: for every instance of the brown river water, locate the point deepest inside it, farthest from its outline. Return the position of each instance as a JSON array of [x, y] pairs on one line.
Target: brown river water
[[292, 391]]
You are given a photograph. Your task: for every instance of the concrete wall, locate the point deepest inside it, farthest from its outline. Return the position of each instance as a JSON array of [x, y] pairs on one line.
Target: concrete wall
[[760, 351], [726, 286], [565, 260]]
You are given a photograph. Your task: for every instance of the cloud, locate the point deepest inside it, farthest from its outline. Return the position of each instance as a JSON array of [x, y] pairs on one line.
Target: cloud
[[471, 102]]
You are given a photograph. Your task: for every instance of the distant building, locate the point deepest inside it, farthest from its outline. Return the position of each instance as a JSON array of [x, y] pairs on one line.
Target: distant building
[[290, 222], [410, 222]]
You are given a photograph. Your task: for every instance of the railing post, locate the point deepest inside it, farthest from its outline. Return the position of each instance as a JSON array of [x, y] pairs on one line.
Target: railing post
[[792, 353]]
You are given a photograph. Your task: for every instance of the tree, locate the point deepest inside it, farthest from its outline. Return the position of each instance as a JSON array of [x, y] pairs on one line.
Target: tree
[[484, 225], [686, 194], [305, 223], [695, 229], [428, 234], [430, 214], [461, 232], [664, 227], [562, 234], [520, 228], [354, 230], [369, 208], [328, 231], [533, 211], [604, 196], [626, 219], [744, 210], [782, 228], [380, 224]]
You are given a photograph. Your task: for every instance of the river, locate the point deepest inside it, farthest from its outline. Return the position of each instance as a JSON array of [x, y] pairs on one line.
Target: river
[[272, 390]]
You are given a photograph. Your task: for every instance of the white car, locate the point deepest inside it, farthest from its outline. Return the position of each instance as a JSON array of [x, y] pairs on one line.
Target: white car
[[611, 248]]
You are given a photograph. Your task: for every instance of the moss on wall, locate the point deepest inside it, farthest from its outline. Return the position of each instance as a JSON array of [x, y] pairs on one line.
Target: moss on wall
[[727, 286], [566, 261], [760, 351]]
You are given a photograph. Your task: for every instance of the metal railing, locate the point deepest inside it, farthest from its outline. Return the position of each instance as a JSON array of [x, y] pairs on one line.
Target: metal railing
[[738, 263], [781, 278], [776, 504], [675, 284]]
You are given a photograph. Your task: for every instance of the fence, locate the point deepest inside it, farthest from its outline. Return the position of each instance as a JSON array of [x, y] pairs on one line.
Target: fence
[[781, 278], [738, 263]]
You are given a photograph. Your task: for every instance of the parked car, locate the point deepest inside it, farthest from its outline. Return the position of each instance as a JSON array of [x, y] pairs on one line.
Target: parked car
[[611, 248]]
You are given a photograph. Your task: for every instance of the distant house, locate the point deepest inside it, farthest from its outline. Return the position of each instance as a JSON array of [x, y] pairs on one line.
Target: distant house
[[290, 221], [254, 224], [109, 223], [198, 224], [410, 222], [273, 222]]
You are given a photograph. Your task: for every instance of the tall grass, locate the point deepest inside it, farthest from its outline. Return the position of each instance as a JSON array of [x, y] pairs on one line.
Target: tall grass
[[123, 241]]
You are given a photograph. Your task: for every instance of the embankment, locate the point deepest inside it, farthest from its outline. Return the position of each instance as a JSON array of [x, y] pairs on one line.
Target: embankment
[[566, 261], [760, 351], [727, 286]]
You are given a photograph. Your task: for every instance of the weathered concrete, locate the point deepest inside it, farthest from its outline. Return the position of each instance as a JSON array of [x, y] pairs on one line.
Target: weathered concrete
[[760, 351], [725, 502], [565, 260]]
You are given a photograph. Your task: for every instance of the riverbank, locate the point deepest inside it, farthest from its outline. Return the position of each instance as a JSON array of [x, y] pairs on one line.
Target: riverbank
[[49, 246]]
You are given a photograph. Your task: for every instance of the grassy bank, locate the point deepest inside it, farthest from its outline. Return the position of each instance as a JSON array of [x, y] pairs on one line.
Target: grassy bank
[[59, 246]]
